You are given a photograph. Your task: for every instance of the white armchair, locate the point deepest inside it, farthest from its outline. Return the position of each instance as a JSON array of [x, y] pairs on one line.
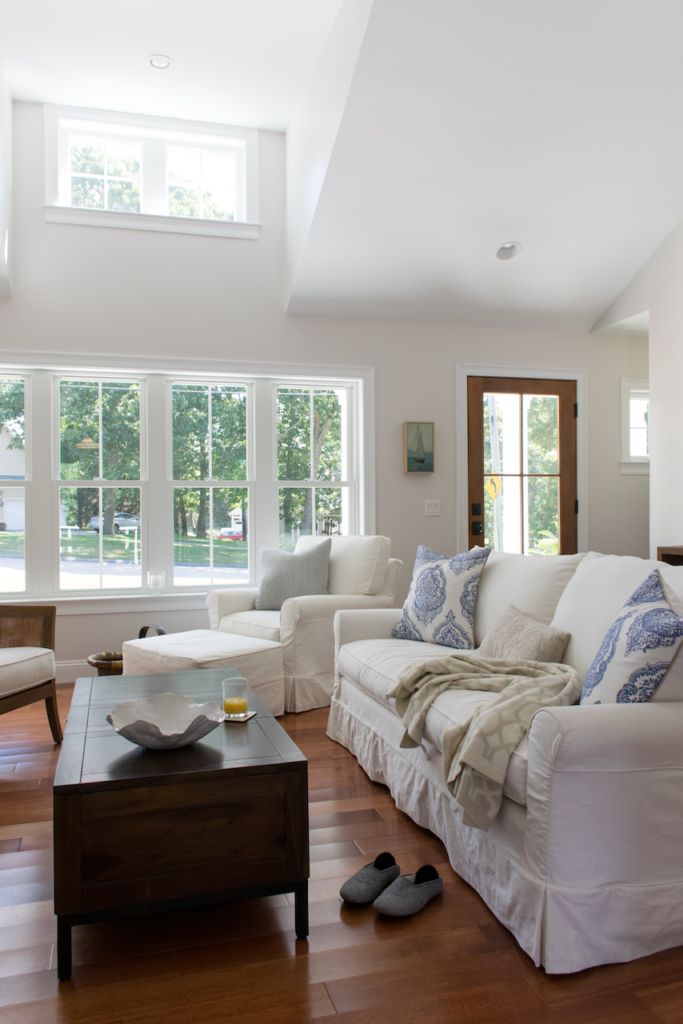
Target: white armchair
[[362, 575]]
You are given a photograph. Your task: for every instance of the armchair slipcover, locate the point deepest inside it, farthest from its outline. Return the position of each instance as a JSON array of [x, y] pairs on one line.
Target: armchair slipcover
[[362, 575]]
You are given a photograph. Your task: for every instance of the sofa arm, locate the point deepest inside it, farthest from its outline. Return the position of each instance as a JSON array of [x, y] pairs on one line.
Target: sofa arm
[[227, 602], [375, 624], [605, 794]]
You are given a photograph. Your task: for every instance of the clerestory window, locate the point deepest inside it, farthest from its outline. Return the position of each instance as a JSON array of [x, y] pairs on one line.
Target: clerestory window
[[150, 173]]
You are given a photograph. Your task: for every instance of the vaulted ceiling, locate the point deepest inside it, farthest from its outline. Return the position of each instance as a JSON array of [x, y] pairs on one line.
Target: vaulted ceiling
[[455, 127]]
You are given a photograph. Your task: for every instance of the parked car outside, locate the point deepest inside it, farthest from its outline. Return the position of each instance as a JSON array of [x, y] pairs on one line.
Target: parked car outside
[[122, 521], [231, 533]]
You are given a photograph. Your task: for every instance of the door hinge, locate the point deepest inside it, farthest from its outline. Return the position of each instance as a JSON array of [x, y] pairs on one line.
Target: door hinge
[[576, 506], [576, 409]]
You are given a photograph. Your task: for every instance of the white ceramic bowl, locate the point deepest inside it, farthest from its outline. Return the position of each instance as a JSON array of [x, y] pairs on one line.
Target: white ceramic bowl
[[164, 720]]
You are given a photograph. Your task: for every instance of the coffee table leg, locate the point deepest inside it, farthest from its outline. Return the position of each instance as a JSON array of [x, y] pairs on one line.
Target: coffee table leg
[[63, 948], [301, 910]]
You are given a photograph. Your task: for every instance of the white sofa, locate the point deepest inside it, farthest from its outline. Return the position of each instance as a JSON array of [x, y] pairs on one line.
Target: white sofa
[[584, 863], [361, 575]]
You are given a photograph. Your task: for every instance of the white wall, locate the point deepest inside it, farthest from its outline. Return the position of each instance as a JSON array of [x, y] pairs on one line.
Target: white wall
[[313, 129], [105, 291], [657, 289], [5, 188]]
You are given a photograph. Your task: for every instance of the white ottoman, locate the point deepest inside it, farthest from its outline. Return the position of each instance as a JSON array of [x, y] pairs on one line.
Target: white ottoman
[[259, 661]]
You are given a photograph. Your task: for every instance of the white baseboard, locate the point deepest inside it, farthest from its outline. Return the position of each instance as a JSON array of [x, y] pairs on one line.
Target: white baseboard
[[69, 671]]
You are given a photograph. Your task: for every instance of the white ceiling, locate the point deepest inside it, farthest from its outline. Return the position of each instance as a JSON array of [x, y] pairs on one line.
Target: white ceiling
[[557, 124], [244, 62]]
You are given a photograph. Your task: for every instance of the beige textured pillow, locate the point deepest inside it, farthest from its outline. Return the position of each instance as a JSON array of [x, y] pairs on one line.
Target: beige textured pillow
[[516, 635]]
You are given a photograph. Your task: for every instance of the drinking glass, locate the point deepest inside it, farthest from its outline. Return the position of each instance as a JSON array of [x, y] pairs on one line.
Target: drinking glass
[[235, 701]]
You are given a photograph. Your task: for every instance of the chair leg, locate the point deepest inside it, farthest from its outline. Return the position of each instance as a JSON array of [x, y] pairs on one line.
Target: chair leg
[[53, 715]]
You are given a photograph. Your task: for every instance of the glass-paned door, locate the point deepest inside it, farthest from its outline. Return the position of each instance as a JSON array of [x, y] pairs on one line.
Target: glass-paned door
[[522, 464]]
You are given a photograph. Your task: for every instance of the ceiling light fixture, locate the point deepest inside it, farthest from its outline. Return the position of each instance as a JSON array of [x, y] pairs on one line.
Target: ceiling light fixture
[[159, 61], [508, 251]]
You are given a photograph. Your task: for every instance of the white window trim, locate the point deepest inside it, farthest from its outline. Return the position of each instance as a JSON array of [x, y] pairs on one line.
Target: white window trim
[[57, 210], [631, 464], [42, 555]]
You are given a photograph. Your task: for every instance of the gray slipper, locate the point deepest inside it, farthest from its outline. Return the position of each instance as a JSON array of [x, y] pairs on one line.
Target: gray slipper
[[366, 885], [409, 893]]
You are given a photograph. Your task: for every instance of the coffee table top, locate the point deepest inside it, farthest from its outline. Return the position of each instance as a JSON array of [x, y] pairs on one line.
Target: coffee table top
[[96, 757]]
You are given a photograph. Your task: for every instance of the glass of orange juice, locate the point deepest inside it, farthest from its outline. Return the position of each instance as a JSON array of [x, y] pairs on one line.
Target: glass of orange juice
[[235, 701]]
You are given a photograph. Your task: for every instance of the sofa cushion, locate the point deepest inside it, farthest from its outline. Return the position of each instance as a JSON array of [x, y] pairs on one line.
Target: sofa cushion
[[358, 564], [441, 602], [637, 649], [592, 600], [532, 583], [293, 574], [263, 625], [518, 636], [375, 665]]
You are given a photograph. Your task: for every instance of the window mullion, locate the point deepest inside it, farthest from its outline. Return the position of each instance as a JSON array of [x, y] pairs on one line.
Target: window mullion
[[100, 434], [157, 492], [209, 489], [42, 511], [263, 505], [153, 193]]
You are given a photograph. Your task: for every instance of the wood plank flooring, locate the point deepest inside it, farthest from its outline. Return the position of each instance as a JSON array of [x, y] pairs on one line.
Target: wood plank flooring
[[451, 963]]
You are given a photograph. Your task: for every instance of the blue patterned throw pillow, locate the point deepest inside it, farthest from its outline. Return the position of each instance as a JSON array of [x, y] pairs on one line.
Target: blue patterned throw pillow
[[637, 649], [442, 597]]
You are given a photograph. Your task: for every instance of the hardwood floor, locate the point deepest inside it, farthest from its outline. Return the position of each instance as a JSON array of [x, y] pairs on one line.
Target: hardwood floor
[[451, 963]]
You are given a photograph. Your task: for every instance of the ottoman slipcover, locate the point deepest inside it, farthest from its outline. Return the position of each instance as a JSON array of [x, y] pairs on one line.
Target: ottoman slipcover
[[259, 661]]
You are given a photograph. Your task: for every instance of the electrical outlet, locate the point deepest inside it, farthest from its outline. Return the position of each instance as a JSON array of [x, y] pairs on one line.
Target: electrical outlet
[[432, 507]]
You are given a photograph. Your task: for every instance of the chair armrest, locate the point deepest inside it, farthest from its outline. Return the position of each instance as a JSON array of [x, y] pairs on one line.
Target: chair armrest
[[323, 607], [605, 794], [375, 624], [227, 602]]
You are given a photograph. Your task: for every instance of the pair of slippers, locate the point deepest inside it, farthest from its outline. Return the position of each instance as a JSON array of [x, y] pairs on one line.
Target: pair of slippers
[[382, 884]]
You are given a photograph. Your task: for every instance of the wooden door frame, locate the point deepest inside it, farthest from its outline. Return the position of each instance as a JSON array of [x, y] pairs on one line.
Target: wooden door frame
[[465, 370]]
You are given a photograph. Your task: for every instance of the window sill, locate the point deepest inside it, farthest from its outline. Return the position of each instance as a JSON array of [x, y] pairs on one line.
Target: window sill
[[634, 468], [152, 222], [116, 604]]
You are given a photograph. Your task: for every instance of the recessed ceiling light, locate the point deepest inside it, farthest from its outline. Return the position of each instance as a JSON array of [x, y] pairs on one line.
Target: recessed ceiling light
[[159, 61], [508, 251]]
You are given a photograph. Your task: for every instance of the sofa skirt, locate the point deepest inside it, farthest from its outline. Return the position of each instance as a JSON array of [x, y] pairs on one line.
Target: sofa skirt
[[563, 929], [491, 862]]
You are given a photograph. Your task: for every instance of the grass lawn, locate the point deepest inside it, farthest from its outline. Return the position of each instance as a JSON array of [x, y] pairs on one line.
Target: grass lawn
[[83, 546]]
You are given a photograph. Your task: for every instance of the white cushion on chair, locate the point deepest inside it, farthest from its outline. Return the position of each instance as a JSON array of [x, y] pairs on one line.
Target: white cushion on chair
[[263, 625], [358, 564], [24, 667]]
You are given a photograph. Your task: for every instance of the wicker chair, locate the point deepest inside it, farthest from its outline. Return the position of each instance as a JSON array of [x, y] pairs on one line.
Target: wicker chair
[[27, 660]]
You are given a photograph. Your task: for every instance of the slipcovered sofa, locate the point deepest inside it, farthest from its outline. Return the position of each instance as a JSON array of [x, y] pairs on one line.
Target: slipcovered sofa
[[584, 861], [361, 575]]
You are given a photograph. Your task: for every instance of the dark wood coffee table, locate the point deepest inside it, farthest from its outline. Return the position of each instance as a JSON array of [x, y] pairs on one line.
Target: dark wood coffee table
[[137, 831]]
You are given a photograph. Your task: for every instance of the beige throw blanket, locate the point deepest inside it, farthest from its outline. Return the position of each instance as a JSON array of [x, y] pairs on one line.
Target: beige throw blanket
[[477, 751]]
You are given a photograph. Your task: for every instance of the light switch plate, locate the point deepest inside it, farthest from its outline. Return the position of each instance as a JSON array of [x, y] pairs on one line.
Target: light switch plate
[[432, 507]]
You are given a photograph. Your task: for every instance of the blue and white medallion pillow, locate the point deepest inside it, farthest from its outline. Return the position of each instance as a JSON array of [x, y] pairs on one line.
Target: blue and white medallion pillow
[[637, 649], [440, 605]]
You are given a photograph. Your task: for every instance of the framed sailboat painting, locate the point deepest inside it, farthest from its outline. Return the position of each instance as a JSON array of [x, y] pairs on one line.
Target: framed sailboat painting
[[418, 447]]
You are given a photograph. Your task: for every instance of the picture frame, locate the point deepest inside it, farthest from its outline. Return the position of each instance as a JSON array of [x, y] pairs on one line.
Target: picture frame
[[418, 446]]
